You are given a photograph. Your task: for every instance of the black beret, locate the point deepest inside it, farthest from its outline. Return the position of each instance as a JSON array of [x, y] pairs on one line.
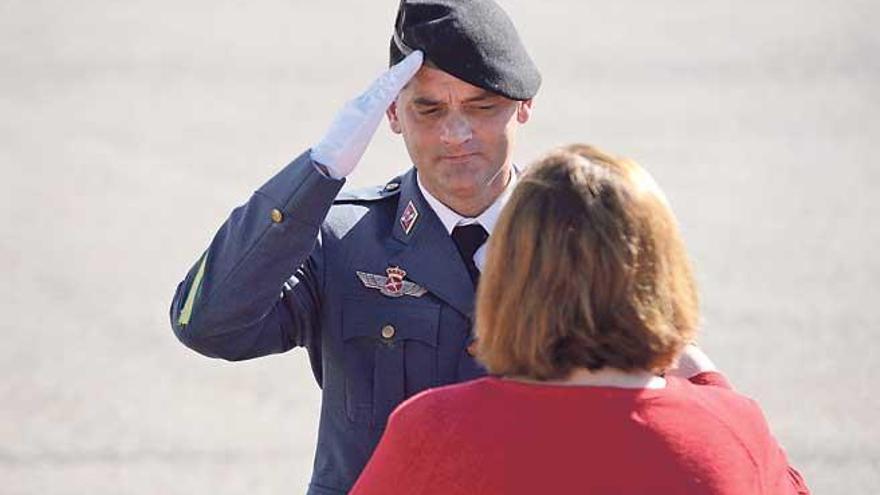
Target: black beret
[[474, 40]]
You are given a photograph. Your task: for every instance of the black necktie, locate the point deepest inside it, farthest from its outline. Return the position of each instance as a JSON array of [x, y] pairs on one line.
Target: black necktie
[[468, 239]]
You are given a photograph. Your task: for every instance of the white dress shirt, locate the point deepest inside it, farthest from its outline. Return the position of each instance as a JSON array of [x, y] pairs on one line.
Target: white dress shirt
[[487, 219]]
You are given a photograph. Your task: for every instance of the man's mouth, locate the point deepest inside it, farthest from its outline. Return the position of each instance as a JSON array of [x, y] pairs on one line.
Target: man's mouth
[[458, 157]]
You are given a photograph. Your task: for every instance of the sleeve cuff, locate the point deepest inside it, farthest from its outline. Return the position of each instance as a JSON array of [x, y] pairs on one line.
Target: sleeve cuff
[[303, 190]]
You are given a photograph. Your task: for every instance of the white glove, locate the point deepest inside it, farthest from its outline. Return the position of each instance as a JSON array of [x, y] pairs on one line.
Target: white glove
[[351, 131]]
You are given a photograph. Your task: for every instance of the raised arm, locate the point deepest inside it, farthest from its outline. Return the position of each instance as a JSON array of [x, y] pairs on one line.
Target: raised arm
[[255, 290]]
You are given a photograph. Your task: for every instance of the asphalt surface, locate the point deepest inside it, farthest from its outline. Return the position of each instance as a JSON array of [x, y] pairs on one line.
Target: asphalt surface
[[129, 130]]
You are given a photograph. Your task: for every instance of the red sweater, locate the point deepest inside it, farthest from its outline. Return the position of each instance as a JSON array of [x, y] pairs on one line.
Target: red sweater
[[494, 436]]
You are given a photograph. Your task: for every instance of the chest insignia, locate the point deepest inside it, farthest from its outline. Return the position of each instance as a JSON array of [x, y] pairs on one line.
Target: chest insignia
[[392, 284]]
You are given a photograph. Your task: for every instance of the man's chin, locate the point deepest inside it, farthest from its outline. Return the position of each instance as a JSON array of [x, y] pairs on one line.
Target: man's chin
[[464, 189]]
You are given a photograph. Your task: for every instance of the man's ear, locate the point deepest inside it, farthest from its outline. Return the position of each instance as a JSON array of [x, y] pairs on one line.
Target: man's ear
[[393, 121], [524, 112]]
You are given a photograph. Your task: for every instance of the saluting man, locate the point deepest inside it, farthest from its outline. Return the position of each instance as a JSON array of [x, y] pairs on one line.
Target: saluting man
[[378, 284]]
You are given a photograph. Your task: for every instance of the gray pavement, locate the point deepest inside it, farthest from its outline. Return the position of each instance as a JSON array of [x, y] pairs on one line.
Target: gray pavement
[[129, 130]]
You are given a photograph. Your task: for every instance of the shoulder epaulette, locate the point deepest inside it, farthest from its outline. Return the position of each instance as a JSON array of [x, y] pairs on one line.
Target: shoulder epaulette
[[370, 193]]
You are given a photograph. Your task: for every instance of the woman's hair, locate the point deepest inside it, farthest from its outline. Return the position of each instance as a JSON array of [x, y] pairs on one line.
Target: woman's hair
[[586, 268]]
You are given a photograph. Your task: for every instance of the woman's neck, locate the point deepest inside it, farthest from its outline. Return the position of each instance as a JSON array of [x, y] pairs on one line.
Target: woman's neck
[[605, 377]]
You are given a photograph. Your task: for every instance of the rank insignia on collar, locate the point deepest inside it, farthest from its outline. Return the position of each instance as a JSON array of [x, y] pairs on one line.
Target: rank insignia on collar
[[408, 219], [392, 284]]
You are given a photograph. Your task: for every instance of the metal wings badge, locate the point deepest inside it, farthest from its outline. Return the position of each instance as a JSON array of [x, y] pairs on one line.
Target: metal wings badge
[[392, 284]]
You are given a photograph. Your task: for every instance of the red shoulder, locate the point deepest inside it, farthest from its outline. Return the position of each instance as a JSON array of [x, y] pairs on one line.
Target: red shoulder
[[435, 404]]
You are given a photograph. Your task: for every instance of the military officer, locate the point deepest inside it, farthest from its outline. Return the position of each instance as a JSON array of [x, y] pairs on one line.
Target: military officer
[[378, 284]]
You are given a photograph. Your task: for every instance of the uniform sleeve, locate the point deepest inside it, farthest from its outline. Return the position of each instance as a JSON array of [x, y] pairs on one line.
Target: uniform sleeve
[[256, 290]]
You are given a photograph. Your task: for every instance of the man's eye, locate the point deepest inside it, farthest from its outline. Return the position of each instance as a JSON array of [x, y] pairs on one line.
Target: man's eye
[[488, 107], [428, 111]]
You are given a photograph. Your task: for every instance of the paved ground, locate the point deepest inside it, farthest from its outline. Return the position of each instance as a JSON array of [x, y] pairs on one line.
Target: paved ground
[[128, 130]]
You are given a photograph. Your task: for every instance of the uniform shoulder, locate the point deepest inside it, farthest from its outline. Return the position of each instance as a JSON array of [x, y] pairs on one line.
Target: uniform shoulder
[[370, 193]]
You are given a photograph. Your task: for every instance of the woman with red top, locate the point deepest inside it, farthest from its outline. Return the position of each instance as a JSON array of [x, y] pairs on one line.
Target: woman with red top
[[584, 314]]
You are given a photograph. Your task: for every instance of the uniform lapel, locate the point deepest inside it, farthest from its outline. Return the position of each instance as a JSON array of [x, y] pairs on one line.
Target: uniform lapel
[[428, 254]]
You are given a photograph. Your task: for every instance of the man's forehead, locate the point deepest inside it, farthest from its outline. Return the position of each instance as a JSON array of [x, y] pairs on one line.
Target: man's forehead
[[431, 83]]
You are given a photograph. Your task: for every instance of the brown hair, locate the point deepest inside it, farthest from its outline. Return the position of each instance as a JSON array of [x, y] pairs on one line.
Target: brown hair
[[586, 268]]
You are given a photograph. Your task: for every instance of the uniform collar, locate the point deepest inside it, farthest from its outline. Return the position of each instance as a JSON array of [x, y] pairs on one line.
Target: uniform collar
[[427, 252], [450, 219]]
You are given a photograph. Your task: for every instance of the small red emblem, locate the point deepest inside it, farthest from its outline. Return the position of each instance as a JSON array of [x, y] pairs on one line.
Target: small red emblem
[[394, 282], [408, 219]]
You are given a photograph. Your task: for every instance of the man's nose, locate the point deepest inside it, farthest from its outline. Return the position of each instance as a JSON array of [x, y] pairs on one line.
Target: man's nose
[[456, 130]]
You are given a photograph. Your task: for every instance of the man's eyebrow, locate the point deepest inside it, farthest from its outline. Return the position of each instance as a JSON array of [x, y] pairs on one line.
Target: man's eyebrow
[[425, 102], [485, 95]]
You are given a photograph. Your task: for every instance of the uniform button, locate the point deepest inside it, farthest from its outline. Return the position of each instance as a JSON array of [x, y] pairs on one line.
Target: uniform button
[[388, 331], [276, 215], [391, 186]]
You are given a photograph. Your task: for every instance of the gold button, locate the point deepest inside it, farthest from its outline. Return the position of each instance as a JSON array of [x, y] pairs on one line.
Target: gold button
[[276, 215], [388, 332], [391, 186]]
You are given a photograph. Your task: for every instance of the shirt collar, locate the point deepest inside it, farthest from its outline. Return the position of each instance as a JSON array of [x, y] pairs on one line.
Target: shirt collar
[[450, 219]]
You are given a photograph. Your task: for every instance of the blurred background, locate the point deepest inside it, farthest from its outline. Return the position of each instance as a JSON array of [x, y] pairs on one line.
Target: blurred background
[[129, 130]]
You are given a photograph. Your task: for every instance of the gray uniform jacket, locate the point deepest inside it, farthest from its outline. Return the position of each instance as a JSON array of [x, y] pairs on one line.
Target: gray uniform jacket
[[301, 264]]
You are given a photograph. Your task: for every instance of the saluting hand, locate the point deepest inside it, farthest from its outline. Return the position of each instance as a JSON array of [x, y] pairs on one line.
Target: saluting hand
[[351, 131]]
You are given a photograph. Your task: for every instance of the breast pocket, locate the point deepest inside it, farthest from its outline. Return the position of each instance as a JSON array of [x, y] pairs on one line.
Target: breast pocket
[[390, 349]]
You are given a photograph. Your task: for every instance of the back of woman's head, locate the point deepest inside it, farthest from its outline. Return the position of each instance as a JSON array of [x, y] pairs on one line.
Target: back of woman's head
[[586, 268]]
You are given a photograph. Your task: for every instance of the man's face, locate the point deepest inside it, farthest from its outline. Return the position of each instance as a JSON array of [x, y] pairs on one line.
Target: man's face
[[459, 136]]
